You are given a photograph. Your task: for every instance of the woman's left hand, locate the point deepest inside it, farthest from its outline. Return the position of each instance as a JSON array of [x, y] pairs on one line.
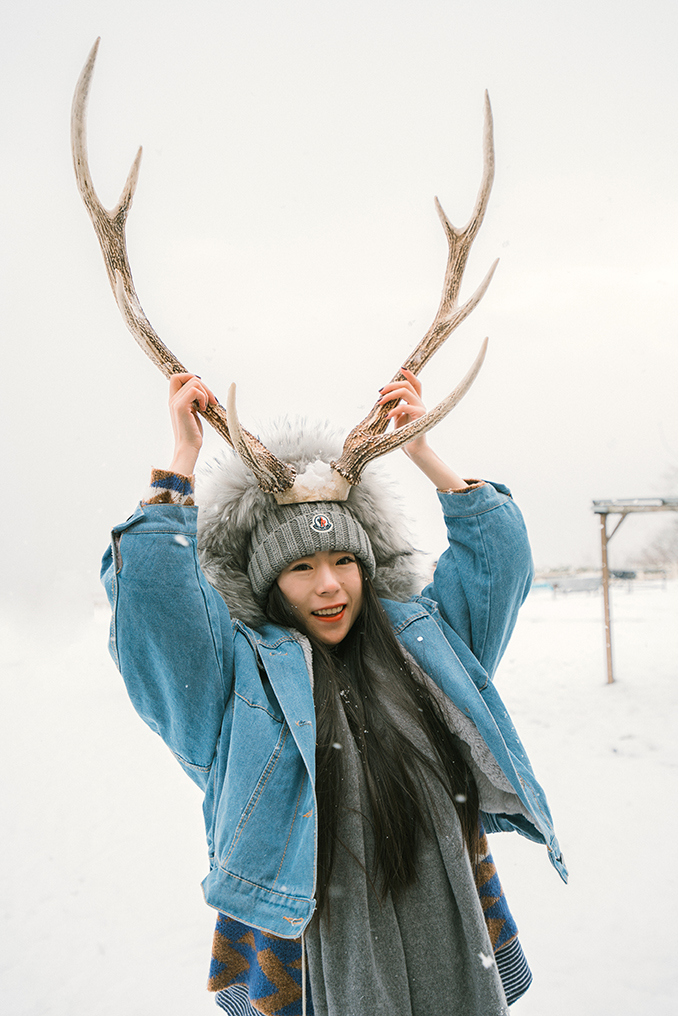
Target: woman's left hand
[[410, 407]]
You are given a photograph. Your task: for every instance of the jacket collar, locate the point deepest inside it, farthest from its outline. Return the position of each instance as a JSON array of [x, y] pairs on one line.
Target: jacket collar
[[267, 635]]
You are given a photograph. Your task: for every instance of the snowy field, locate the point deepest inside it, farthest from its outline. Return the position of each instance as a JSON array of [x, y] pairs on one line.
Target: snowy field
[[102, 913]]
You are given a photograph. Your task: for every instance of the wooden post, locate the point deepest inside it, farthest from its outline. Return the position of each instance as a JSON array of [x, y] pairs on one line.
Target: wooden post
[[606, 597], [622, 508]]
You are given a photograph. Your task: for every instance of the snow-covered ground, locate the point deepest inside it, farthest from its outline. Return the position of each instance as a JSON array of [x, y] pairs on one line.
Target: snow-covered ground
[[102, 913]]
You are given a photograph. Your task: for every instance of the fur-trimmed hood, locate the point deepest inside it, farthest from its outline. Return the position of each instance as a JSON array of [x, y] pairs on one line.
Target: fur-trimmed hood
[[231, 503]]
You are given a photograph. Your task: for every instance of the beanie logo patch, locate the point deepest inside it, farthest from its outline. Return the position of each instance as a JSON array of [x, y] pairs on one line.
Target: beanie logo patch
[[321, 524]]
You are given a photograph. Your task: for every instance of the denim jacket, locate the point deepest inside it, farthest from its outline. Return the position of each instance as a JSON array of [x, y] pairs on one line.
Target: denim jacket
[[235, 705]]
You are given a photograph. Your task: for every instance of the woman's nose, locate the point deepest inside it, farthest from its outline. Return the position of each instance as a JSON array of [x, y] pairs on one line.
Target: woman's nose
[[327, 581]]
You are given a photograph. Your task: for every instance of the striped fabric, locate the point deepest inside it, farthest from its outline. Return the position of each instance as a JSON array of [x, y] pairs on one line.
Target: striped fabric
[[516, 976], [235, 1001]]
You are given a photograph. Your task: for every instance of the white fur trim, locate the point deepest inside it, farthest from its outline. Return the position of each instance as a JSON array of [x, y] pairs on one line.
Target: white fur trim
[[231, 504]]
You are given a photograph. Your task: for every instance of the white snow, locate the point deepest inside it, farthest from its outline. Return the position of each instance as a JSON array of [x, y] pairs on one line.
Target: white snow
[[316, 475], [103, 847]]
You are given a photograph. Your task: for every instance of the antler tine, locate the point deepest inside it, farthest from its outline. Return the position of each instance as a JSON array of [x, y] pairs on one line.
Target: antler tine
[[270, 472], [459, 241], [110, 230], [361, 444], [366, 447]]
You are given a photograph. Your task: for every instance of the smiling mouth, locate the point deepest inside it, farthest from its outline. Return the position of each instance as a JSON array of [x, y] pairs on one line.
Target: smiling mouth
[[330, 612]]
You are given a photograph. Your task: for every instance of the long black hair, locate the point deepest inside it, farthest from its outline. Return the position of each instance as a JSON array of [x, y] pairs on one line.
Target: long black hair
[[391, 761]]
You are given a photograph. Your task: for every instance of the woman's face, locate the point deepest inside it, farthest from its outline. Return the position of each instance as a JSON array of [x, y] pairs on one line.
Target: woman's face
[[326, 590]]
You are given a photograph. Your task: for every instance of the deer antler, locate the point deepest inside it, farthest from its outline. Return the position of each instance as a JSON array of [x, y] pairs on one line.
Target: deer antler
[[272, 474], [367, 440]]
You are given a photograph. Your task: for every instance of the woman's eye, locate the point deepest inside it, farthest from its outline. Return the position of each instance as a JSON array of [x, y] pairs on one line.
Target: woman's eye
[[346, 560], [301, 567]]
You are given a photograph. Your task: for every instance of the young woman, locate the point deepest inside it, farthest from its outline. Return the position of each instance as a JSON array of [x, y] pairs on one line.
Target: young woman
[[347, 735]]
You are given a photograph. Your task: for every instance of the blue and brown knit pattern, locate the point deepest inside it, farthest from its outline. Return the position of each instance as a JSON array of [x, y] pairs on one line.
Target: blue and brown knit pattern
[[501, 927], [270, 967], [170, 488]]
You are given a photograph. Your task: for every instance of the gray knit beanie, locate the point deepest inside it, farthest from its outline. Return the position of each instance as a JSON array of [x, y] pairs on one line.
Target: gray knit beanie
[[298, 530]]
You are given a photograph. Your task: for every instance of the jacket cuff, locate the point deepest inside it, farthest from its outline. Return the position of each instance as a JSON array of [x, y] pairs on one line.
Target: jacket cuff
[[472, 485], [478, 498], [172, 519], [170, 488]]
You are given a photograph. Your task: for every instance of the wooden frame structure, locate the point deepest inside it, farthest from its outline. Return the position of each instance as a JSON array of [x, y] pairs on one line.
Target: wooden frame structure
[[622, 507]]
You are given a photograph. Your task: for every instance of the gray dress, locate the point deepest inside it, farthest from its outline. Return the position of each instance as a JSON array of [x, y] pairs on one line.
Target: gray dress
[[426, 953]]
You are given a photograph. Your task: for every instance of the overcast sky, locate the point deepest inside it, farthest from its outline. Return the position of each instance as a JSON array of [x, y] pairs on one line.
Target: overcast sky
[[284, 236]]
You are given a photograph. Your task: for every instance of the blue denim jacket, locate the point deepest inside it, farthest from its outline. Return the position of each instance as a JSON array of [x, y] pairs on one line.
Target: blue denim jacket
[[235, 705]]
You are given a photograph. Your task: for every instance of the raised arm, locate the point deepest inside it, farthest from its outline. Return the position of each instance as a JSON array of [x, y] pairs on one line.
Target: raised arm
[[485, 574], [171, 632], [486, 571]]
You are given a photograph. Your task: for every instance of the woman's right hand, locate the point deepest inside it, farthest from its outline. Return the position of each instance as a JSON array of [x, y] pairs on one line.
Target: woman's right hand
[[188, 394]]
